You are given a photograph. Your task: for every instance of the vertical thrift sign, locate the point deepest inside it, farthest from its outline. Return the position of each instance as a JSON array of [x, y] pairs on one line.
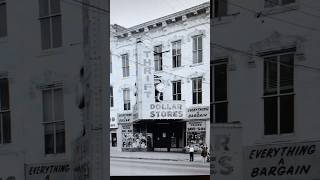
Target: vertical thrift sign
[[145, 79], [226, 158]]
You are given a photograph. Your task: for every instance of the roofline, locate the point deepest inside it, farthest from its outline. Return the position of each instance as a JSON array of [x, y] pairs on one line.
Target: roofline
[[170, 16], [182, 13]]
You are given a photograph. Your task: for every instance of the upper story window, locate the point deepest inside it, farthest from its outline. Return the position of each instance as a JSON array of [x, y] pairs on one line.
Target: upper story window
[[220, 8], [53, 120], [5, 120], [3, 18], [220, 98], [176, 90], [176, 54], [278, 94], [126, 99], [111, 96], [125, 65], [197, 49], [50, 21], [158, 58], [274, 3], [110, 55], [197, 90], [211, 91]]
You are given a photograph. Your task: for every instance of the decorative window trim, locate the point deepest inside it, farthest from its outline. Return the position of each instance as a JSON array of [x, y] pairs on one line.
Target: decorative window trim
[[197, 75], [224, 19], [276, 42], [197, 32], [3, 74], [55, 84], [177, 38], [279, 8]]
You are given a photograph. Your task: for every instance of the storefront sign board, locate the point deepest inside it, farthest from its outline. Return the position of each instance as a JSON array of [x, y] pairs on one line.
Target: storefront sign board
[[125, 118], [201, 112]]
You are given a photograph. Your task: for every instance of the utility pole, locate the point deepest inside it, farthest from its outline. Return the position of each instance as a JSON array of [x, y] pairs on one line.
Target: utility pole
[[96, 78]]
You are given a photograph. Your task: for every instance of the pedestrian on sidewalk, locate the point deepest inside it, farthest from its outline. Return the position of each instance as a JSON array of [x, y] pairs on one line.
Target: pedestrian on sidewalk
[[204, 153], [191, 151]]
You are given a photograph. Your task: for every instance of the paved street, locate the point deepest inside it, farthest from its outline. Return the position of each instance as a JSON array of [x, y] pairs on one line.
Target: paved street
[[129, 166], [170, 156]]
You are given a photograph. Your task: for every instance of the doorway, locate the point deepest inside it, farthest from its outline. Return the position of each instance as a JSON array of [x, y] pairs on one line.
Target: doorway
[[114, 139]]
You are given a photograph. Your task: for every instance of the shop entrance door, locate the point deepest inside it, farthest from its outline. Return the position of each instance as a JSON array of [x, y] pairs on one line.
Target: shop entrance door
[[168, 135], [161, 134], [149, 142]]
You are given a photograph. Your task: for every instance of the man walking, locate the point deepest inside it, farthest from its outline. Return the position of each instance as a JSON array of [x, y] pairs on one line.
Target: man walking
[[204, 153], [191, 151]]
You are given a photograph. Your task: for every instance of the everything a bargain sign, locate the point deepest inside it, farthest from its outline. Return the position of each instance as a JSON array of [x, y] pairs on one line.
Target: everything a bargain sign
[[49, 171], [283, 161]]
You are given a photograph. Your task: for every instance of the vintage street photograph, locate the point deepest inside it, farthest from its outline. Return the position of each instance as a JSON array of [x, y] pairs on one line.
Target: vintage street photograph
[[159, 87]]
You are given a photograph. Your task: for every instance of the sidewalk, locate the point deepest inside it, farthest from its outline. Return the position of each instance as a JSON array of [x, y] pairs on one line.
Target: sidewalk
[[166, 156]]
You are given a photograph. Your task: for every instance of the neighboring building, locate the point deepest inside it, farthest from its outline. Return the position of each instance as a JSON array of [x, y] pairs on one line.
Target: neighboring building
[[41, 52], [160, 81], [265, 89]]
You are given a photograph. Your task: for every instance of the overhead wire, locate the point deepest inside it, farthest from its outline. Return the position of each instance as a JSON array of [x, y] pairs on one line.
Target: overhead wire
[[98, 9], [166, 72], [89, 5], [261, 14], [254, 55], [261, 58], [298, 10]]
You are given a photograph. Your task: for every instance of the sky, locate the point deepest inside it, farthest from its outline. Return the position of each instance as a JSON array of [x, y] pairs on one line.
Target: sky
[[129, 13]]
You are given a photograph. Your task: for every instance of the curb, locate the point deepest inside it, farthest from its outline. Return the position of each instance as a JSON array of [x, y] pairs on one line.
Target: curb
[[145, 158], [200, 164]]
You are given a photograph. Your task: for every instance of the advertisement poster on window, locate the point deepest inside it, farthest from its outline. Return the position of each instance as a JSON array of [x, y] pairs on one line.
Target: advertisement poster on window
[[283, 161], [226, 162], [49, 171], [127, 128], [196, 126]]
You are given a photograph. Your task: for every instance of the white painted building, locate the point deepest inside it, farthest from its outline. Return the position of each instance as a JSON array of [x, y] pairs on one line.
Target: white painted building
[[41, 65], [160, 80], [265, 62]]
